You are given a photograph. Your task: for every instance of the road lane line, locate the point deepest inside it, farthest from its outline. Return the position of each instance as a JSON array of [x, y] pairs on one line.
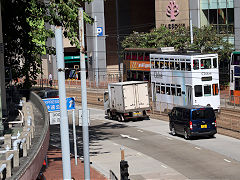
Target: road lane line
[[140, 154], [127, 136], [198, 148], [227, 160], [169, 138], [164, 166], [139, 130], [135, 139], [115, 144]]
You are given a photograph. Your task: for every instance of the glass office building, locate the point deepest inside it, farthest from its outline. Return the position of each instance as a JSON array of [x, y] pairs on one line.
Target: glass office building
[[219, 14], [223, 15]]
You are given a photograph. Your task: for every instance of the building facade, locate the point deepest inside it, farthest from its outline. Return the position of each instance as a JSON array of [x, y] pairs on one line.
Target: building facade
[[221, 14]]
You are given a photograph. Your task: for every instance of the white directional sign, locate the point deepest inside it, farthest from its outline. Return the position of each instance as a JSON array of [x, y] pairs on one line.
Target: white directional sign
[[54, 118], [80, 116]]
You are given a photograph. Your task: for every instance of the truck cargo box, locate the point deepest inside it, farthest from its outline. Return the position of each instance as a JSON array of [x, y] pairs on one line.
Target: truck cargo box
[[129, 96]]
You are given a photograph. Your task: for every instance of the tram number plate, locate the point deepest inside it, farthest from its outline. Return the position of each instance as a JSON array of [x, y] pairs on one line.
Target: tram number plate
[[204, 126]]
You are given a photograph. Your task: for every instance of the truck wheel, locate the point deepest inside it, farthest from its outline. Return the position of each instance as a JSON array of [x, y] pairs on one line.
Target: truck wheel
[[109, 115], [120, 118]]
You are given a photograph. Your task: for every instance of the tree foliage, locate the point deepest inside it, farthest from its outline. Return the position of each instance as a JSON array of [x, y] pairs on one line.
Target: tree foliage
[[205, 39], [26, 28]]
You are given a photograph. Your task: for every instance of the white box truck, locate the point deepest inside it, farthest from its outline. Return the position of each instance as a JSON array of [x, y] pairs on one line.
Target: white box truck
[[127, 100]]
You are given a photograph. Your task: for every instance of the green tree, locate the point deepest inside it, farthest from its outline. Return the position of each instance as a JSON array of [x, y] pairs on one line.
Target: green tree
[[25, 33]]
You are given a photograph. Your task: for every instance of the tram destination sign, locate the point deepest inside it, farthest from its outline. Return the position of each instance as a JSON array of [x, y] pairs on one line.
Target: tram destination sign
[[54, 105], [208, 78]]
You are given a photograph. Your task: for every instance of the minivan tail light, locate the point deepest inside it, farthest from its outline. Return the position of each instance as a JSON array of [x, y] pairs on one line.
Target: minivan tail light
[[215, 123], [190, 124]]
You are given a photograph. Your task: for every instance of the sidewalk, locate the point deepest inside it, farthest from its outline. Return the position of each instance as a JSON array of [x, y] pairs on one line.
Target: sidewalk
[[55, 172]]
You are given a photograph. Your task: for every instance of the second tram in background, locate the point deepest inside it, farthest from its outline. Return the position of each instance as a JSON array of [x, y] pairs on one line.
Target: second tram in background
[[235, 78], [185, 79]]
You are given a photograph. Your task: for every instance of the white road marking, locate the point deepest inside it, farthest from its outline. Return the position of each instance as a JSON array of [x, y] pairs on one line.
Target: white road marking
[[115, 144], [198, 148], [129, 137], [139, 130], [164, 166], [139, 153], [227, 160], [169, 138]]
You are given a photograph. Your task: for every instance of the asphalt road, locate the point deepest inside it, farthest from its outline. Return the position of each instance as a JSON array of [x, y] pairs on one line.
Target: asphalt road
[[153, 153]]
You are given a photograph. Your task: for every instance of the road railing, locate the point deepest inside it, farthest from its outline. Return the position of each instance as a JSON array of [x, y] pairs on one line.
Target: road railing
[[17, 145]]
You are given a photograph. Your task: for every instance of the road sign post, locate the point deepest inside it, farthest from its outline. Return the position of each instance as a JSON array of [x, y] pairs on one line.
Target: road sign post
[[64, 130]]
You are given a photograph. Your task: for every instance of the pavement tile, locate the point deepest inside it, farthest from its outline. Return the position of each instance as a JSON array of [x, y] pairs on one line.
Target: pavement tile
[[54, 169]]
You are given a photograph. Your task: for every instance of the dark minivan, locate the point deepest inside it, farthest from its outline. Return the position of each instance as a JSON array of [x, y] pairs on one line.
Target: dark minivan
[[192, 121]]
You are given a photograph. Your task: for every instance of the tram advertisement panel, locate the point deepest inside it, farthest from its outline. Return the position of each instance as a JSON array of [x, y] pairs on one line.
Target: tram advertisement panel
[[140, 65]]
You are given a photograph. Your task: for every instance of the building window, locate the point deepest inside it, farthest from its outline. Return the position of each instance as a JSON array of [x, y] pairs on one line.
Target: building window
[[219, 14]]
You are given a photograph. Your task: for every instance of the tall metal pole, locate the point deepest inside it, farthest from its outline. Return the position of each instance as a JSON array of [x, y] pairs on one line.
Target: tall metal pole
[[84, 98], [118, 40], [191, 30], [74, 136], [96, 51], [63, 107]]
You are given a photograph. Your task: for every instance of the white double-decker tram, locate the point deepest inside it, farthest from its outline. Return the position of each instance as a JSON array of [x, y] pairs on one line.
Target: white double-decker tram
[[185, 79]]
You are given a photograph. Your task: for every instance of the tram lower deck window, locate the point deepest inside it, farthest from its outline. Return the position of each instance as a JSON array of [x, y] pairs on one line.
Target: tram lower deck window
[[179, 92], [207, 90], [173, 89], [168, 91], [198, 91], [237, 83], [215, 89]]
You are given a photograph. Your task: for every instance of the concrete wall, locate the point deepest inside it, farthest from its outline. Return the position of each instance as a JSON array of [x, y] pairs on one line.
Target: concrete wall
[[96, 8], [3, 105], [194, 7], [30, 168], [163, 19], [237, 24]]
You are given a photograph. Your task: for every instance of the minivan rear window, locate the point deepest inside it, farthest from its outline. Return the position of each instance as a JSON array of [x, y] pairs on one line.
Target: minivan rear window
[[203, 114]]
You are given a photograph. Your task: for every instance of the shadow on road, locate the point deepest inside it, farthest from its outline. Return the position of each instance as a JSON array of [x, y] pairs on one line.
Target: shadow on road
[[96, 134]]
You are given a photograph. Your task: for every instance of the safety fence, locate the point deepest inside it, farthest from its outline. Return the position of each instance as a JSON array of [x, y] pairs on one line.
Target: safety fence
[[72, 83], [21, 154]]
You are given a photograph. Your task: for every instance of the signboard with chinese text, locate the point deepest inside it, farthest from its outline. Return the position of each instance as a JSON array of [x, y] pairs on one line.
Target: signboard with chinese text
[[54, 118], [53, 104]]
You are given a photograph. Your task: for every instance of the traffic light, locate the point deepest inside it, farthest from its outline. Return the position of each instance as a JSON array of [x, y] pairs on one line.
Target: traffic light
[[124, 170]]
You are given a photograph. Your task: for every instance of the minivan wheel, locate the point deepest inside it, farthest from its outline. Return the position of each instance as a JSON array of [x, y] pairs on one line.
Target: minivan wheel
[[173, 132], [186, 134]]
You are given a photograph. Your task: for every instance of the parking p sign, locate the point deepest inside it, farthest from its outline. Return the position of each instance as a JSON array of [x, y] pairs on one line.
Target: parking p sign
[[99, 31]]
